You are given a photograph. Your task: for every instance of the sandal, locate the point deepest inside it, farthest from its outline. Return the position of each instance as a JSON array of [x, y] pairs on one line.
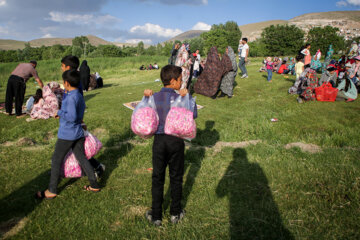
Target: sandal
[[89, 188], [41, 195]]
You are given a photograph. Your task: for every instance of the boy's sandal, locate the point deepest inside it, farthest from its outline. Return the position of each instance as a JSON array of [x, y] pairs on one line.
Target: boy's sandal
[[21, 116], [41, 195], [90, 189]]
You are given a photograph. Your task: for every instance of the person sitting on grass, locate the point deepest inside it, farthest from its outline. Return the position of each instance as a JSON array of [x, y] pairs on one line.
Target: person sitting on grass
[[329, 75], [347, 89], [70, 136], [283, 68], [167, 150]]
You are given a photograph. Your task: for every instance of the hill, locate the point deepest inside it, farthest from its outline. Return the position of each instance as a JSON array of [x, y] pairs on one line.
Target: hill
[[253, 30], [187, 35], [13, 44]]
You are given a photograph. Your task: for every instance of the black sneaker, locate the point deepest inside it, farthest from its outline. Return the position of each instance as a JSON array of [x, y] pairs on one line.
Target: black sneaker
[[148, 216], [177, 218], [99, 171]]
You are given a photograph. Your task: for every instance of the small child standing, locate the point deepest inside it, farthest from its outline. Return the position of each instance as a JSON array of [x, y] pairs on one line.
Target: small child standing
[[167, 150], [269, 68], [299, 66], [70, 136]]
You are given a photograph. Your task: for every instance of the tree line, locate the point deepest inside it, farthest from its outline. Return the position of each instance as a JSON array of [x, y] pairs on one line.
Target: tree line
[[276, 40]]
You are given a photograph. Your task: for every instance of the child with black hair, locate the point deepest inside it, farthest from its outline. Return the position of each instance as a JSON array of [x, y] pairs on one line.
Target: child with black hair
[[70, 136], [299, 66], [167, 150], [34, 101], [72, 63]]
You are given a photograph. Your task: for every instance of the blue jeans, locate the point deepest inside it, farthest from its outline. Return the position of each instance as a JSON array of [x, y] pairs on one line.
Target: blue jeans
[[242, 66], [269, 71]]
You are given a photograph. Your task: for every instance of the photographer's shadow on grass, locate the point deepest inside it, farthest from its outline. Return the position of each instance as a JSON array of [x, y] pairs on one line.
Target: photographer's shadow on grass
[[253, 213], [193, 160]]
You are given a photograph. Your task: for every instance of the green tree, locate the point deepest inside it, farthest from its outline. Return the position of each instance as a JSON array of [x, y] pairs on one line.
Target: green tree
[[216, 37], [151, 51], [76, 51], [221, 36], [197, 43], [140, 48], [281, 40], [258, 48], [322, 37], [83, 43]]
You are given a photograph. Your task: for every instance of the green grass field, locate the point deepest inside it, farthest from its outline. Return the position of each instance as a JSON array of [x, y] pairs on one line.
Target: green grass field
[[232, 189]]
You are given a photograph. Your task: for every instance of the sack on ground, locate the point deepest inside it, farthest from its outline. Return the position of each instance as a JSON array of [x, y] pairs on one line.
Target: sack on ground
[[326, 93], [70, 167], [145, 120], [180, 119]]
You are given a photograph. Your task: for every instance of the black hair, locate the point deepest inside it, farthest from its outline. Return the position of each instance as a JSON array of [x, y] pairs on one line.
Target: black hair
[[72, 77], [299, 57], [168, 73], [33, 62], [306, 45], [38, 95], [245, 39], [71, 61]]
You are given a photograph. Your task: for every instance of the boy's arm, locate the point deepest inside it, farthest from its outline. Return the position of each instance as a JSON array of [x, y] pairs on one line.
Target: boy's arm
[[68, 114]]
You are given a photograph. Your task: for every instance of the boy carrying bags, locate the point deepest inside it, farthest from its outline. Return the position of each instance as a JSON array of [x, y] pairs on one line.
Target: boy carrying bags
[[167, 150], [70, 136]]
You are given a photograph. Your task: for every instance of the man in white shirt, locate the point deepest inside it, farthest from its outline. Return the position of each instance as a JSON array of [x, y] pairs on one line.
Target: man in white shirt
[[244, 53]]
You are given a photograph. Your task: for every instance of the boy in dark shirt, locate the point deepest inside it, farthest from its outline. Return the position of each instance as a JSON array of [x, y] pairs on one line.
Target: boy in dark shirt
[[70, 136], [167, 150]]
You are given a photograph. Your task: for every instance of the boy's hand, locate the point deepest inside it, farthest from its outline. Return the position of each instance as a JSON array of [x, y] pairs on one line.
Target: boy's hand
[[148, 92], [183, 92], [83, 125]]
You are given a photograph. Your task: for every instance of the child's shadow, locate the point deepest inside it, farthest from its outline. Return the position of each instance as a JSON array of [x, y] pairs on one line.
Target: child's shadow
[[193, 159]]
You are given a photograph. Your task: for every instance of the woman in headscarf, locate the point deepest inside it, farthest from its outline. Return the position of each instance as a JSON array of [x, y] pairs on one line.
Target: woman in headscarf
[[85, 75], [347, 90], [51, 102], [183, 61], [227, 82], [209, 81], [315, 62], [174, 52]]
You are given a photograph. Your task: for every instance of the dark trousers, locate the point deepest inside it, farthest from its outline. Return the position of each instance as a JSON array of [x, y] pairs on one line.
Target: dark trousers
[[167, 150], [15, 88], [62, 147]]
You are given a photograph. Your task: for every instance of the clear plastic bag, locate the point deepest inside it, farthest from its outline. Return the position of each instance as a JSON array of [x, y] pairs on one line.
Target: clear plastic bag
[[70, 167], [180, 119], [145, 120]]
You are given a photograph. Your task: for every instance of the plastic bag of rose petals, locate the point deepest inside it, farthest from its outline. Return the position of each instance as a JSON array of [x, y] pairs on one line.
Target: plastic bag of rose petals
[[180, 119], [145, 120]]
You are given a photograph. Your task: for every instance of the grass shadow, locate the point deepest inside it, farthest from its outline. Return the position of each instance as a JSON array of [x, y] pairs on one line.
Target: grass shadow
[[21, 202], [252, 210], [116, 148], [89, 96], [193, 160]]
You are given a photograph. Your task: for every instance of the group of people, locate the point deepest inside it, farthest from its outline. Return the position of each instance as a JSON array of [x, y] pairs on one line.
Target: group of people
[[47, 99], [154, 66], [215, 75], [343, 74]]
